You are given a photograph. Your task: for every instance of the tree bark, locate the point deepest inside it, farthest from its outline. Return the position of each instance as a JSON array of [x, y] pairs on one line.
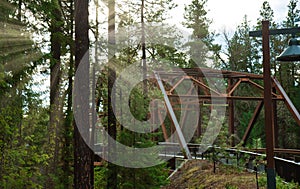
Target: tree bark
[[67, 157], [83, 155], [112, 131], [112, 128], [55, 78]]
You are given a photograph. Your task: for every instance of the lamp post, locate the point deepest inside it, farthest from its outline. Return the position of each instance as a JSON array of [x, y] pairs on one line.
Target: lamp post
[[269, 123], [292, 53]]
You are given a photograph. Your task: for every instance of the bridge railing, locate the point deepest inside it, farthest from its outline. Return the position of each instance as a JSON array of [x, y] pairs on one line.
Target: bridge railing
[[254, 161]]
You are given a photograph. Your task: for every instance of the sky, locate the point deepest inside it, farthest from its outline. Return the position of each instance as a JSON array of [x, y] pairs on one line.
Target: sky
[[228, 14]]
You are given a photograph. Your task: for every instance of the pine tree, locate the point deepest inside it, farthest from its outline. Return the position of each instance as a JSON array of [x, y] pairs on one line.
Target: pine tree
[[22, 117], [267, 13], [83, 155], [287, 71], [241, 56], [161, 41], [287, 76], [201, 40], [132, 52]]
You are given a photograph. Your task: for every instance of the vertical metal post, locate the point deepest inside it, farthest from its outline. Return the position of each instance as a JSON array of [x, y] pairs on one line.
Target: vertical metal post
[[275, 123], [199, 127], [231, 117], [269, 127]]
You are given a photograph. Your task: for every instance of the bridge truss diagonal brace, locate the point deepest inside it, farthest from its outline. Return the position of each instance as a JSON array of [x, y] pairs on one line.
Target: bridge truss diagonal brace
[[181, 138], [287, 101]]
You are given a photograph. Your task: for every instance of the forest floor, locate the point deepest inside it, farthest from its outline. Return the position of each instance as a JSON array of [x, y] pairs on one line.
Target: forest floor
[[197, 174]]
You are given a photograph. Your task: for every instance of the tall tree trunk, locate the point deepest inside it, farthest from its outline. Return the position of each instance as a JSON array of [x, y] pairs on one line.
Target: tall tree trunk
[[144, 63], [83, 155], [19, 91], [67, 134], [55, 77], [112, 130], [19, 16]]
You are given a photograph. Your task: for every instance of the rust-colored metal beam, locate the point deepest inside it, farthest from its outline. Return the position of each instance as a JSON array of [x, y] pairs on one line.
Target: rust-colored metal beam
[[199, 126], [192, 89], [248, 81], [261, 88], [205, 86], [206, 92], [222, 96], [278, 150], [214, 84], [234, 87], [208, 72], [269, 127], [231, 117], [252, 122], [276, 127], [176, 85], [287, 101], [184, 115], [163, 126]]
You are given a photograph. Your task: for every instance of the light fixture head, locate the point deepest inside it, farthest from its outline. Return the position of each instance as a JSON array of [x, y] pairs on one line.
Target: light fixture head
[[291, 53]]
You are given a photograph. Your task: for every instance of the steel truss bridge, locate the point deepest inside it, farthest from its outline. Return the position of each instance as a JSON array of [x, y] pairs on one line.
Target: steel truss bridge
[[199, 78], [203, 88]]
